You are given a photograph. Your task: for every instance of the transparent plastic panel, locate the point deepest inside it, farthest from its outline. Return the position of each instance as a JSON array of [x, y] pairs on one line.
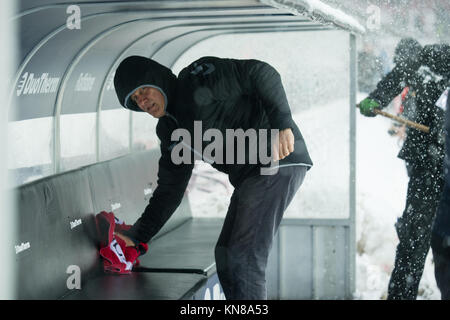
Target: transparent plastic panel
[[114, 133], [314, 68], [144, 132], [30, 150], [77, 140]]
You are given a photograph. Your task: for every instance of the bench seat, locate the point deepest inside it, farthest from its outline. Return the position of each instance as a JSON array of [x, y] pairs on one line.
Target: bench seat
[[188, 248], [140, 286]]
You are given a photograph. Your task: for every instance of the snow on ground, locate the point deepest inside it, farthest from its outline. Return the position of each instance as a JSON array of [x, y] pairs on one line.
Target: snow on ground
[[381, 195], [324, 192], [209, 191], [381, 192]]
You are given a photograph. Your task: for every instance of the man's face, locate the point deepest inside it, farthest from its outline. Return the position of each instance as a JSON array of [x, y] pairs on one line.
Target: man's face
[[149, 100]]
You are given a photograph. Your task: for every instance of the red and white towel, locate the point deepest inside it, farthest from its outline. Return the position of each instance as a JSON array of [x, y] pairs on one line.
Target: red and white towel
[[117, 257]]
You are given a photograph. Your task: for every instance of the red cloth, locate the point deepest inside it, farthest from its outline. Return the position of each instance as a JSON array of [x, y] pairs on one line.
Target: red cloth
[[115, 260], [403, 94], [105, 224], [117, 257]]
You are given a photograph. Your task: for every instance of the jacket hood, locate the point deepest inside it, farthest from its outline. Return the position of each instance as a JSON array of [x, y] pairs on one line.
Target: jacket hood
[[137, 71]]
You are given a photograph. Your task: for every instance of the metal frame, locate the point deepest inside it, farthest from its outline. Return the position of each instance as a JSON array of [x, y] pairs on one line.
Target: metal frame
[[352, 177], [56, 118]]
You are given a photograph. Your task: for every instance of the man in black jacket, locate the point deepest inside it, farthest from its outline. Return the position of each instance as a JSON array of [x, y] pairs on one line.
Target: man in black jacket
[[425, 71], [223, 94]]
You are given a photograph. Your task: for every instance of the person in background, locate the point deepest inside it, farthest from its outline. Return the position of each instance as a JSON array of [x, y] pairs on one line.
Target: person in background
[[424, 70]]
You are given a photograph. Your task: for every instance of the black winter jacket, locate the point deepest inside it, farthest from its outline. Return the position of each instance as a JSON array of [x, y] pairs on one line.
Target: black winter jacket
[[427, 76], [223, 94]]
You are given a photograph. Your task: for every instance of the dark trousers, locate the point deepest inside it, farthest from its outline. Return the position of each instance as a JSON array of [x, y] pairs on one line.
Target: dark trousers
[[252, 220], [414, 232], [442, 274], [441, 229], [440, 243]]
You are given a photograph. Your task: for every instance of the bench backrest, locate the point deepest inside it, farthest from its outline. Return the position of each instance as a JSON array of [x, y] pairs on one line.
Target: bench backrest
[[55, 219]]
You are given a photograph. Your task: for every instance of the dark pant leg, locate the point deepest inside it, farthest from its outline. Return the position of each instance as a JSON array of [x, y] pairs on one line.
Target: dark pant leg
[[253, 218], [414, 233], [440, 243], [442, 274], [221, 250]]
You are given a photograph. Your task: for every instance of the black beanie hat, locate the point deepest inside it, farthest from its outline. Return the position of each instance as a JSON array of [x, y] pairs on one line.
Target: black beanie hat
[[137, 71], [408, 49]]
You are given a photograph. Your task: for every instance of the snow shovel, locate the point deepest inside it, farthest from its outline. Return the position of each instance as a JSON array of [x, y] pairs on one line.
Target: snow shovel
[[412, 124]]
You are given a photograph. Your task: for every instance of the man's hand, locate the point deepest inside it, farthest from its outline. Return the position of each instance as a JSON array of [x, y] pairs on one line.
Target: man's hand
[[367, 106], [285, 146]]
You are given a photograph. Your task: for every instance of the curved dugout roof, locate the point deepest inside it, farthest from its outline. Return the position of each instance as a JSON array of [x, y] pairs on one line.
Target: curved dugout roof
[[66, 71]]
